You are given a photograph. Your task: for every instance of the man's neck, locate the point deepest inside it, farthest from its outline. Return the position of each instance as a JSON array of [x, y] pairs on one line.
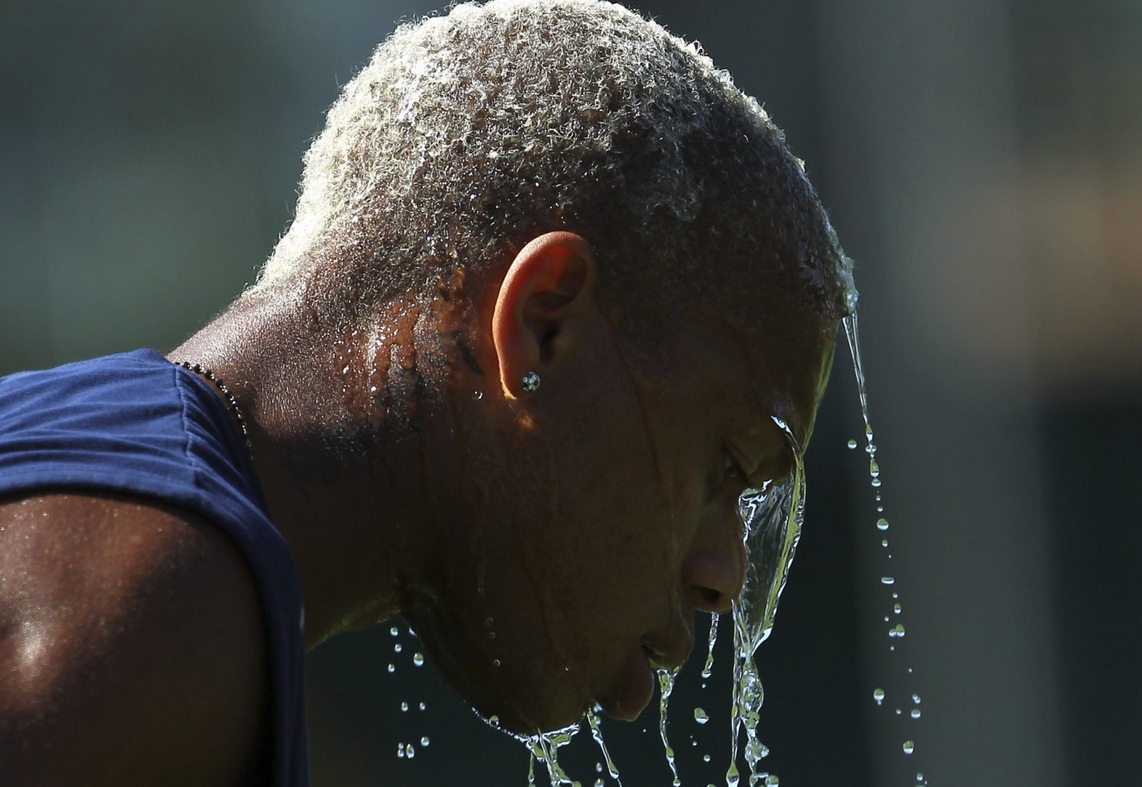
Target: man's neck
[[351, 533]]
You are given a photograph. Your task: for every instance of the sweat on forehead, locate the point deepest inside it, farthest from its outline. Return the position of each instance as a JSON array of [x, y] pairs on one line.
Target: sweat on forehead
[[467, 135]]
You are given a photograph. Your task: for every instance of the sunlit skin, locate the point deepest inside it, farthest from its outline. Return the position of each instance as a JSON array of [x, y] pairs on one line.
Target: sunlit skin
[[583, 525]]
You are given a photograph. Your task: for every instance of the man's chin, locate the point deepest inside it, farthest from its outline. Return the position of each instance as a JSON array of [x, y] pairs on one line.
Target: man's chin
[[523, 725], [511, 699], [523, 717]]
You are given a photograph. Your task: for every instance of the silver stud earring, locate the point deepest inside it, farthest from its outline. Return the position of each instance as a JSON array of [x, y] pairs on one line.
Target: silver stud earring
[[530, 382]]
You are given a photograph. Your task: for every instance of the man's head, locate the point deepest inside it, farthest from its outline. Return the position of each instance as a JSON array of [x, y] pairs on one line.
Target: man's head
[[561, 187], [470, 134]]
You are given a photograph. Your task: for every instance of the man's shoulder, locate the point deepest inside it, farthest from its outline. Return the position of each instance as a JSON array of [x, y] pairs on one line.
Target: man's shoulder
[[131, 645]]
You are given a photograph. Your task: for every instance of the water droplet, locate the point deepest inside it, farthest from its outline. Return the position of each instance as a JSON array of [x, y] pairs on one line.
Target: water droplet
[[392, 668], [897, 630], [884, 543], [424, 741], [495, 662], [915, 697], [665, 687], [882, 524], [878, 695], [394, 631], [852, 444], [422, 706], [494, 720], [701, 716], [544, 746], [597, 735], [397, 648], [418, 659], [887, 580], [477, 395], [896, 608], [404, 706], [705, 758], [708, 669], [409, 751], [909, 747], [915, 713]]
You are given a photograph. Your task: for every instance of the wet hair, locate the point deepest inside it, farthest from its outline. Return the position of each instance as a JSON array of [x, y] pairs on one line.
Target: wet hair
[[467, 135]]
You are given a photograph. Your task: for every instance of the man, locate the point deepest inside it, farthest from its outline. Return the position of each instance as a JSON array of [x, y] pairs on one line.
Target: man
[[551, 280]]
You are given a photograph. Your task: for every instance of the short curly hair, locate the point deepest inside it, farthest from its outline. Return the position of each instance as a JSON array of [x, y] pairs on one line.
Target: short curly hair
[[466, 135]]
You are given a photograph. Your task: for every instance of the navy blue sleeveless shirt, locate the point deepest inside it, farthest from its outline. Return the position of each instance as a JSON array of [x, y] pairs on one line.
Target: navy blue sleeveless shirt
[[138, 424]]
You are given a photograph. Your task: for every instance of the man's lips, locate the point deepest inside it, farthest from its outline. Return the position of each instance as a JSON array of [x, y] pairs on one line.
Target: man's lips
[[669, 651], [634, 685]]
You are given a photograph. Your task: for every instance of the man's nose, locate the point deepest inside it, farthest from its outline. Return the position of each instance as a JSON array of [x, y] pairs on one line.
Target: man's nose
[[714, 568]]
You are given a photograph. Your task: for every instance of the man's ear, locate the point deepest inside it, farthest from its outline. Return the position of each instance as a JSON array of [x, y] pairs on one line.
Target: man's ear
[[545, 303]]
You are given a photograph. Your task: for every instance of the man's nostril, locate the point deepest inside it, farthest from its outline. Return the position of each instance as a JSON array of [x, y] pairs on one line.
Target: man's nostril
[[710, 597]]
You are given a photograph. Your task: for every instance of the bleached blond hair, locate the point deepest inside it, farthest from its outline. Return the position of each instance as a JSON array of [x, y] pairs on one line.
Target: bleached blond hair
[[468, 134]]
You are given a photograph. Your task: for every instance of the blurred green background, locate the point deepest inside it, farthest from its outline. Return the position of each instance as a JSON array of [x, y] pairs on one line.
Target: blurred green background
[[982, 161]]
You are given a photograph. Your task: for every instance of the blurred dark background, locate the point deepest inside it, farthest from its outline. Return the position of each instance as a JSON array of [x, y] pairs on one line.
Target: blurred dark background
[[982, 161]]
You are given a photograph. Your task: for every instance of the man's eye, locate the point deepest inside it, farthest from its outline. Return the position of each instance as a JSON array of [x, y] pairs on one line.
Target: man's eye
[[731, 470]]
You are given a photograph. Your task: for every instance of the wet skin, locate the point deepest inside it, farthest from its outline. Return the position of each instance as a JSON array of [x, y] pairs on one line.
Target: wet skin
[[608, 517], [131, 646]]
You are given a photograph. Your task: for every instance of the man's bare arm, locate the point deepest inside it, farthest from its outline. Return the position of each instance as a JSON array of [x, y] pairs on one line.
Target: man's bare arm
[[131, 646]]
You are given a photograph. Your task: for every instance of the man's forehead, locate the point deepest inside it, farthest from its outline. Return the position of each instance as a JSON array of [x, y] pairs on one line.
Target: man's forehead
[[785, 357], [754, 353]]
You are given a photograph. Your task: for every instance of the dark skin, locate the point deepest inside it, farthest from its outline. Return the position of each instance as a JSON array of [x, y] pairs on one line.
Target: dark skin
[[125, 628], [129, 627]]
